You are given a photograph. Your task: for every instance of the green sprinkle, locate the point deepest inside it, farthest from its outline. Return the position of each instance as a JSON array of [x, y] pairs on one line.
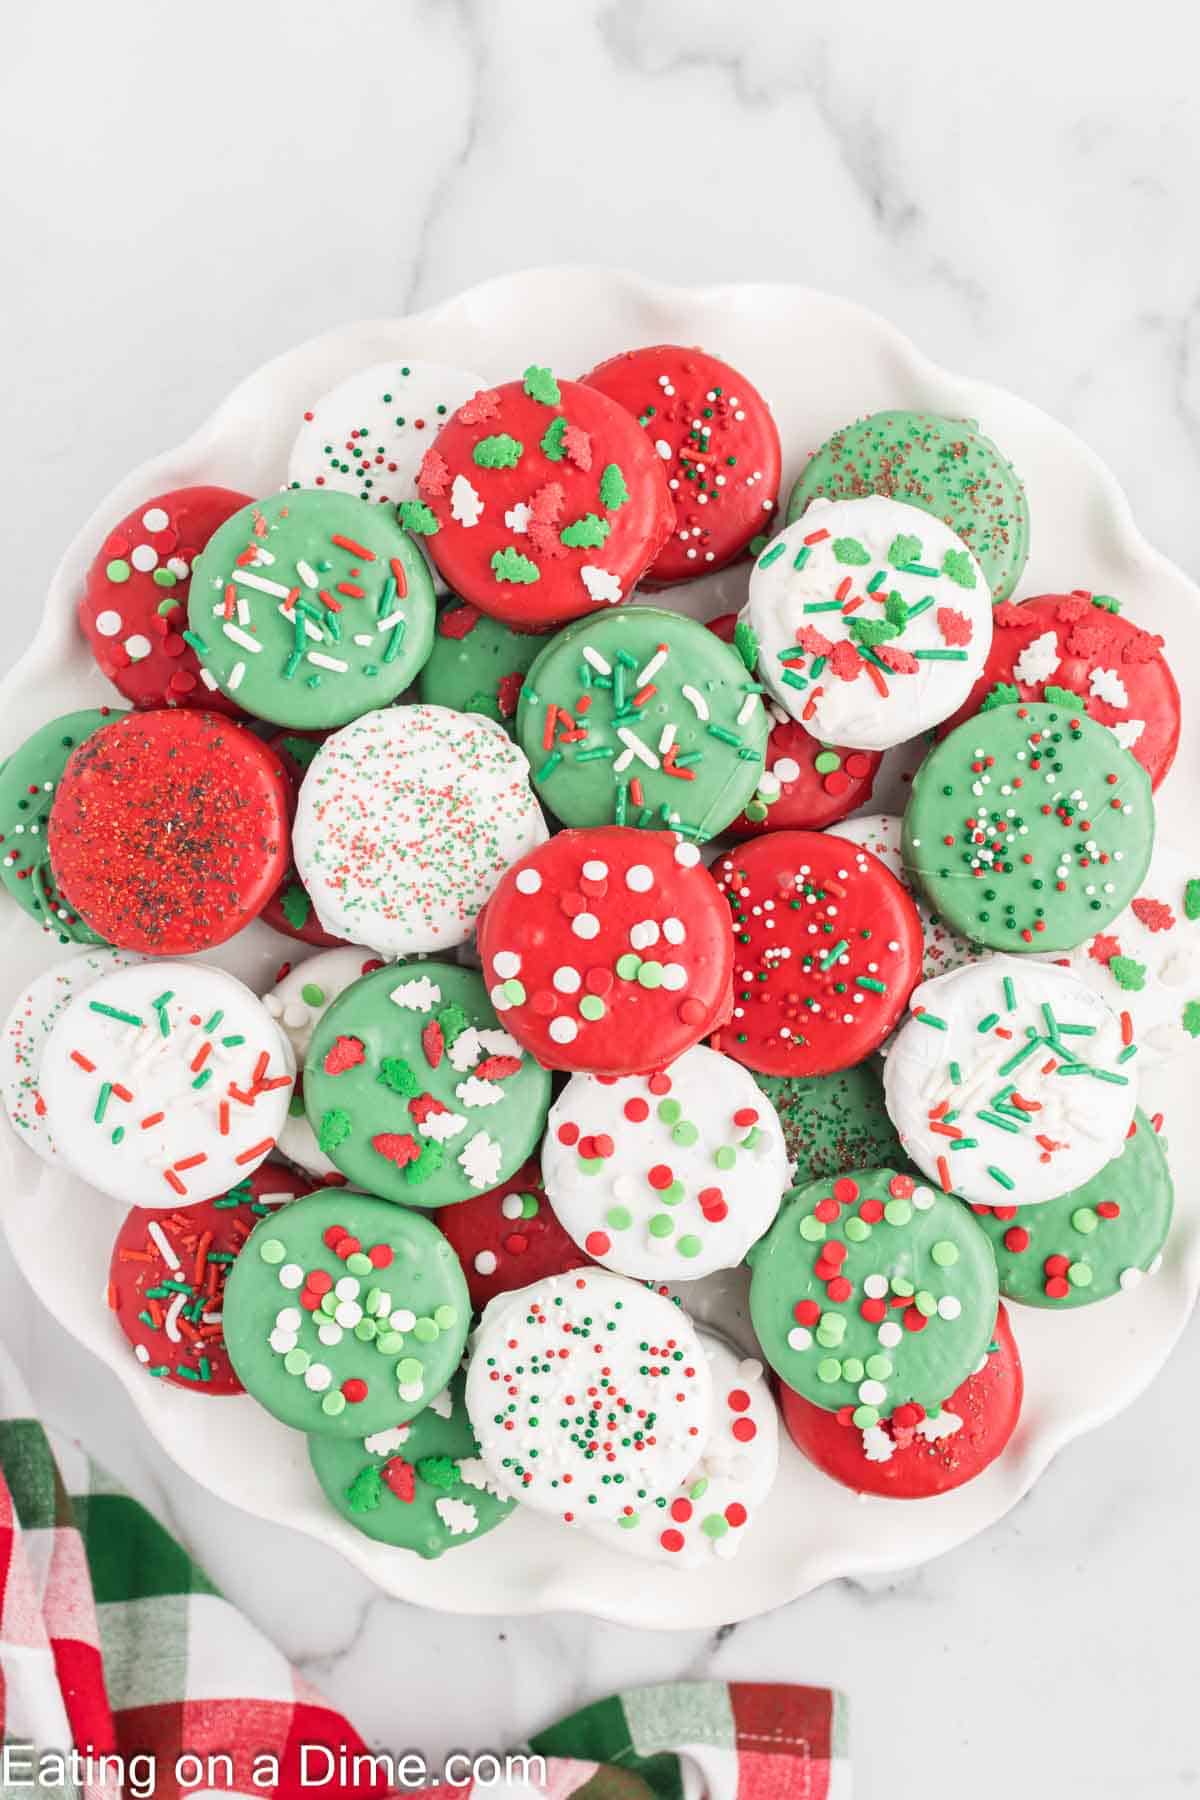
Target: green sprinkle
[[874, 987], [498, 452], [613, 491], [509, 565], [587, 533], [944, 1253], [940, 655], [987, 1023], [114, 1012], [831, 956], [1002, 1124], [849, 552], [541, 386], [1006, 1181], [196, 641], [421, 520], [778, 549], [928, 1018]]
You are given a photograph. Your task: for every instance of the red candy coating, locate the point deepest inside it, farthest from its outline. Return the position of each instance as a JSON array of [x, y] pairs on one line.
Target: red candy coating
[[560, 485], [1090, 639], [653, 926], [724, 456], [988, 1404], [827, 948], [173, 1341], [136, 593], [526, 1247], [289, 909], [169, 830]]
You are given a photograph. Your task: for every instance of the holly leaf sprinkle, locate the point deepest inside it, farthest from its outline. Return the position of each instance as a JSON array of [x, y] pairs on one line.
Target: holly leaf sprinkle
[[1128, 973], [872, 631], [957, 565], [438, 1471], [1062, 696], [366, 1490], [396, 1074], [745, 642], [295, 905], [1191, 1018], [613, 491], [587, 533], [333, 1130], [509, 565], [850, 552], [541, 386], [904, 549], [498, 452], [1191, 899], [418, 518], [552, 440], [1003, 694]]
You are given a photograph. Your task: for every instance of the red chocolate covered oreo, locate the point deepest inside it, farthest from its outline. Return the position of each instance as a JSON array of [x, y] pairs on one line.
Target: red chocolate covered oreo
[[826, 950], [509, 1237], [915, 1454], [169, 831], [718, 443], [134, 605], [541, 501], [290, 908], [607, 951]]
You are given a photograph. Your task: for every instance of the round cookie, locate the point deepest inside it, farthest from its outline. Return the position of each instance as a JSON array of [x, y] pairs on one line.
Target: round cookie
[[709, 1512], [345, 1314], [169, 830], [407, 820], [1029, 828], [587, 1393], [1076, 650], [165, 1083], [540, 501], [944, 466], [310, 608], [26, 1029], [718, 443], [167, 1275], [833, 1123], [666, 1177], [419, 1486], [416, 1092], [289, 910], [826, 948], [872, 621], [642, 717], [477, 664], [301, 996], [509, 1237], [29, 782], [133, 608], [608, 951], [916, 1453], [1146, 962], [873, 1291], [1011, 1081], [1101, 1239], [806, 785], [883, 835]]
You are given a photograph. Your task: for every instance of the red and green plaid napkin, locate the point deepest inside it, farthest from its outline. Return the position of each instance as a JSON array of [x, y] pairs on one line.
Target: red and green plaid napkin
[[115, 1643]]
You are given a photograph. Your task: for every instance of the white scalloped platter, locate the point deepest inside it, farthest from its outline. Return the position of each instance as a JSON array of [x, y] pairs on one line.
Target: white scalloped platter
[[820, 362]]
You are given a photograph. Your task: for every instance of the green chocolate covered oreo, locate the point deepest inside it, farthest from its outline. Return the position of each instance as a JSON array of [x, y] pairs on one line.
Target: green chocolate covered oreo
[[643, 717], [833, 1123], [945, 466], [1100, 1239], [416, 1092], [418, 1486], [477, 664], [28, 783], [873, 1290], [310, 608], [1029, 828], [344, 1314]]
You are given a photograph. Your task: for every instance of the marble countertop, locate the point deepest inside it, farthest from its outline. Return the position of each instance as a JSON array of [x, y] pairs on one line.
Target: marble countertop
[[200, 195]]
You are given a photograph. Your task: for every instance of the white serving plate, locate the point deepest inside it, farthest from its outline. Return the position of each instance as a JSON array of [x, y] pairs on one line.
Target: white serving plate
[[820, 361]]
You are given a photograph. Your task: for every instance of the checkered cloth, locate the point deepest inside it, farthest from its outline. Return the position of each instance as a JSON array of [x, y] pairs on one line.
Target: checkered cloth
[[115, 1643]]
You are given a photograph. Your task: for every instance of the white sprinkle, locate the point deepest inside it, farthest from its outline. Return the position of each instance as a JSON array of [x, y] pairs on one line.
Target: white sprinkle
[[393, 618], [506, 963], [209, 680], [485, 1262], [563, 1030], [696, 701], [307, 574], [154, 1231], [663, 448], [155, 519], [633, 742], [652, 667], [666, 740], [949, 1307], [799, 1338], [566, 979], [327, 662], [639, 878], [236, 635], [595, 870], [746, 710], [585, 925], [597, 661], [108, 623], [248, 578], [362, 639], [235, 677], [145, 558], [528, 881]]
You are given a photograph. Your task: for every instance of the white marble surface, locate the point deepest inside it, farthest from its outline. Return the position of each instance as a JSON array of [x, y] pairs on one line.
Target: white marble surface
[[1017, 191]]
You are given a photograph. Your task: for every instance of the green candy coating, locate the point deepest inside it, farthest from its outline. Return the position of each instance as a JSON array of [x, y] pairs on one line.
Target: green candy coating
[[436, 1446], [289, 1369], [946, 467], [376, 1104], [1041, 758], [1105, 1255], [293, 678], [480, 669], [958, 1304], [724, 759], [25, 867], [833, 1123]]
